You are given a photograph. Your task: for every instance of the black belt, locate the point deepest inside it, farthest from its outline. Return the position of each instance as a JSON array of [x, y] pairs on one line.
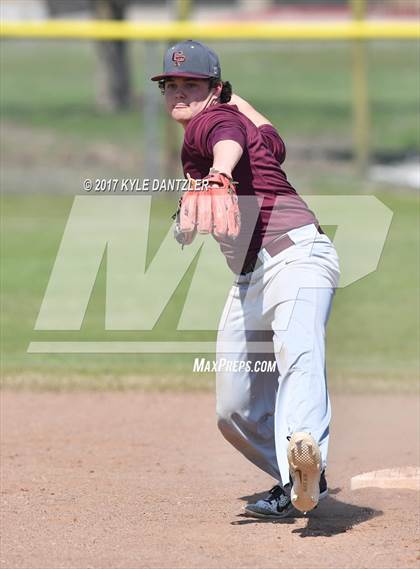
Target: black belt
[[273, 248]]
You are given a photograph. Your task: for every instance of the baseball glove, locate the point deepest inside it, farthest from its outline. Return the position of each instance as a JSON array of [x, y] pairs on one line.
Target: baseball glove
[[211, 208]]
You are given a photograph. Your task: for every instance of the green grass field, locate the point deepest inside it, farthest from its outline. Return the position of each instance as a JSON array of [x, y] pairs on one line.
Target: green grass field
[[304, 88], [52, 137]]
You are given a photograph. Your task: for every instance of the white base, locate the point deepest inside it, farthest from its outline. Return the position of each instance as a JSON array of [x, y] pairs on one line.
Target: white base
[[407, 477]]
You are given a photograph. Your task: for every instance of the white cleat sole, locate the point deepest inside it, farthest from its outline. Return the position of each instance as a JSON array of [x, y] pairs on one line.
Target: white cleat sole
[[304, 459]]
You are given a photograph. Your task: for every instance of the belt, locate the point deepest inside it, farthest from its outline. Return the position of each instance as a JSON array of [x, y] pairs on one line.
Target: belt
[[273, 248]]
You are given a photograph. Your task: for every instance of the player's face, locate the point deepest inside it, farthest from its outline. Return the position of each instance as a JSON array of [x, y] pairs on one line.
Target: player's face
[[185, 98]]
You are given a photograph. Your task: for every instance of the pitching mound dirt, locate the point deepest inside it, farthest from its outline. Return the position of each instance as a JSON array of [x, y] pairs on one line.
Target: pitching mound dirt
[[132, 480]]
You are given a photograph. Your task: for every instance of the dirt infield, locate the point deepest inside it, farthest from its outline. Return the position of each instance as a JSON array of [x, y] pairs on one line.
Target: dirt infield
[[135, 480]]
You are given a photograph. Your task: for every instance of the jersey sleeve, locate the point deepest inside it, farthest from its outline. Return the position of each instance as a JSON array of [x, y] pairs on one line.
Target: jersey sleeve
[[214, 127], [226, 130], [274, 142]]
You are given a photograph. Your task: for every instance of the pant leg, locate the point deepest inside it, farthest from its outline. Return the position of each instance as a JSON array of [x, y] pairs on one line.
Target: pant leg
[[302, 402], [245, 399], [299, 326]]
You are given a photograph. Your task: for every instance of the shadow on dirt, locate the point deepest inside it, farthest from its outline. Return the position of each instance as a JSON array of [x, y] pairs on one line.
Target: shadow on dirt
[[331, 517]]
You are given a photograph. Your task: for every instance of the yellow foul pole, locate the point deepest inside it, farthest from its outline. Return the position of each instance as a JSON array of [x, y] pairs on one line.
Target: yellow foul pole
[[361, 119]]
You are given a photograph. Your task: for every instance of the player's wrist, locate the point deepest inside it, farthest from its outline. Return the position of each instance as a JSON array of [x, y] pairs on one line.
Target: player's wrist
[[225, 172]]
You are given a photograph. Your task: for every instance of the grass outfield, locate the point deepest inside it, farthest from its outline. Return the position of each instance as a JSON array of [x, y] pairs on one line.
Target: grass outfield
[[373, 332], [305, 89]]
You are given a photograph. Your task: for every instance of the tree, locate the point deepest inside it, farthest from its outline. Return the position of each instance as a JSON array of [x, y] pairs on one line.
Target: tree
[[113, 75]]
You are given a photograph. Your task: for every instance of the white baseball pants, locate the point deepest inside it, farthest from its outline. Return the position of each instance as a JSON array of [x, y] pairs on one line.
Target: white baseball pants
[[278, 311]]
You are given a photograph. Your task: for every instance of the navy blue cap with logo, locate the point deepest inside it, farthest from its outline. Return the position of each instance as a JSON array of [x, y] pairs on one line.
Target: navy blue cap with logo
[[190, 59]]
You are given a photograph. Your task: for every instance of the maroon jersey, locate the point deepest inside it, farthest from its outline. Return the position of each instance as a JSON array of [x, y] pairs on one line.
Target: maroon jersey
[[269, 205]]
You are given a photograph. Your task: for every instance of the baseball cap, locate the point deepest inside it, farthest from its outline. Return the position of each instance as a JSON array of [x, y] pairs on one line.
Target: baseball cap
[[190, 59]]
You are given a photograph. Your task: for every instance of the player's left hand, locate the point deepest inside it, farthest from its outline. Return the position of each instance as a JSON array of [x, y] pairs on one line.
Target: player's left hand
[[210, 208]]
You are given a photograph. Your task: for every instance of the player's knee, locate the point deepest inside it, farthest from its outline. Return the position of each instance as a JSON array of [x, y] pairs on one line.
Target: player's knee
[[229, 416], [225, 414], [223, 425], [231, 405], [226, 426], [232, 426]]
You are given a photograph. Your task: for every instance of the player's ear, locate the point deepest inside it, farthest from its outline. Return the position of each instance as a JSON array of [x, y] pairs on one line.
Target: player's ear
[[218, 89]]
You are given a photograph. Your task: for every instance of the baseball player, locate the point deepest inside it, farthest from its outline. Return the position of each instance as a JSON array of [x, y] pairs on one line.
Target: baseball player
[[286, 271]]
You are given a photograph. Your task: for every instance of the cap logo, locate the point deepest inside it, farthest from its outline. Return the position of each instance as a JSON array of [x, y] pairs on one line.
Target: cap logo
[[178, 57]]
